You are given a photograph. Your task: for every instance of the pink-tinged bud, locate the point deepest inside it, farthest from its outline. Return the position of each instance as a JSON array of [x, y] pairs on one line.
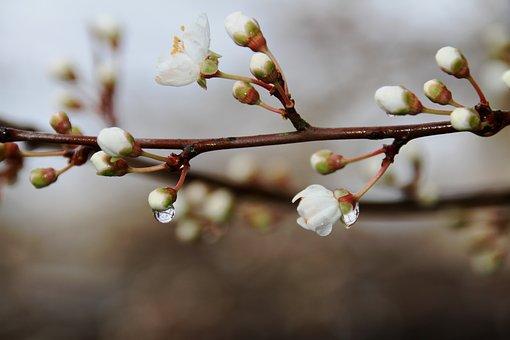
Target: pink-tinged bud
[[245, 93], [326, 162], [60, 123], [42, 177], [10, 151], [437, 92]]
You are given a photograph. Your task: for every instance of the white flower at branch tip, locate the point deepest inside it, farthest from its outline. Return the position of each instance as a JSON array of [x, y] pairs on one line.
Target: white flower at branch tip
[[318, 209], [161, 199], [63, 69], [397, 100], [452, 61], [263, 68], [241, 168], [218, 205], [118, 143], [465, 119], [107, 165], [437, 92], [506, 77], [182, 66], [244, 31]]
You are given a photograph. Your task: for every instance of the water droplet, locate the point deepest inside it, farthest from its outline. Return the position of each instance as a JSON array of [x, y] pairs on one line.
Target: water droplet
[[165, 216], [351, 217]]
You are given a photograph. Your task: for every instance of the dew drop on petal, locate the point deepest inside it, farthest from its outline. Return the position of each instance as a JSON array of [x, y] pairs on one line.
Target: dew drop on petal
[[165, 216], [351, 217]]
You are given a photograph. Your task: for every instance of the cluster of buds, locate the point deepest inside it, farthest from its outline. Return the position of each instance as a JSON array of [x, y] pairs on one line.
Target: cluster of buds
[[397, 100], [77, 155], [191, 60], [484, 235], [106, 36], [202, 210]]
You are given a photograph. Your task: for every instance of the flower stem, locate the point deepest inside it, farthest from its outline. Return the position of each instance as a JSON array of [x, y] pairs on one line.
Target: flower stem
[[478, 90], [271, 108], [153, 156], [64, 169], [270, 54], [436, 111], [365, 155], [182, 178], [51, 153], [148, 169], [455, 103], [260, 83], [385, 165]]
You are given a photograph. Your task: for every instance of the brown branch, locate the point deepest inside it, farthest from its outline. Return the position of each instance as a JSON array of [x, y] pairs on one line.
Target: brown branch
[[193, 147]]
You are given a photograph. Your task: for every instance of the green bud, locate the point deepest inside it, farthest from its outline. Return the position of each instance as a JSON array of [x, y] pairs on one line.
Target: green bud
[[42, 177]]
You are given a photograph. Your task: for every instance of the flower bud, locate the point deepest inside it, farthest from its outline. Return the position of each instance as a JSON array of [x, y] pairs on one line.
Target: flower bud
[[68, 101], [106, 28], [506, 78], [118, 143], [464, 119], [451, 61], [218, 205], [107, 165], [162, 199], [245, 93], [326, 162], [195, 193], [349, 206], [9, 151], [76, 131], [63, 70], [263, 68], [188, 230], [107, 75], [60, 123], [437, 92], [245, 31], [397, 100], [242, 168], [42, 177]]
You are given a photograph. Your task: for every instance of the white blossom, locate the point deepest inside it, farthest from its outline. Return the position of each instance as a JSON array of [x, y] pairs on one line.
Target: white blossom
[[241, 168], [241, 28], [116, 142], [464, 119], [218, 205], [182, 65], [397, 100], [187, 230], [195, 193], [318, 209], [451, 61], [161, 199]]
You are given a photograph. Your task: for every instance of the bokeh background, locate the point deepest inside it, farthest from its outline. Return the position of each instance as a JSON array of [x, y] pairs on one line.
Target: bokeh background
[[84, 259]]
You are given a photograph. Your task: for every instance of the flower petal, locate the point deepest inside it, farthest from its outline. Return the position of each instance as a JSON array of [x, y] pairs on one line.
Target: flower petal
[[177, 70], [196, 39], [324, 230]]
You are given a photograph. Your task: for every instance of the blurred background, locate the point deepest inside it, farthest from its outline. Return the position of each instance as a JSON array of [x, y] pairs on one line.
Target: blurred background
[[84, 258]]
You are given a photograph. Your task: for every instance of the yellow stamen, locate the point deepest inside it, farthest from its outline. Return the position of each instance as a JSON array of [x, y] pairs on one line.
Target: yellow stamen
[[177, 46]]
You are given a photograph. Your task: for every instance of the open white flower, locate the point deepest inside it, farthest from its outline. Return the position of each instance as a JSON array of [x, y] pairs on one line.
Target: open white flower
[[182, 66], [318, 209]]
